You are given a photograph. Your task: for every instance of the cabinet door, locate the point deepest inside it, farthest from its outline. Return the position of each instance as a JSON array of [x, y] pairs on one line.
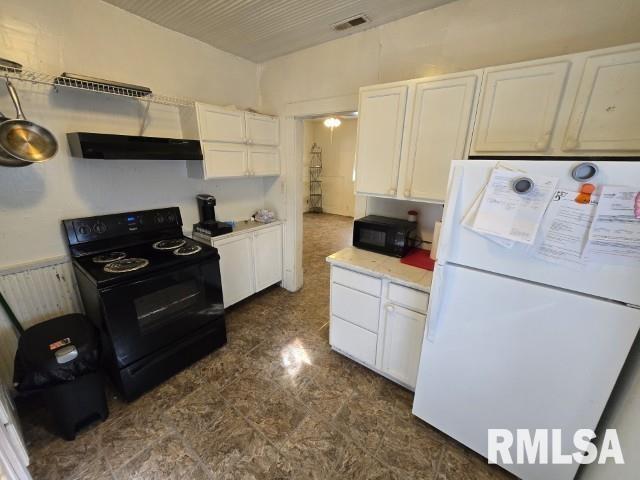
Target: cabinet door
[[224, 160], [439, 131], [264, 161], [262, 129], [220, 125], [380, 127], [236, 268], [607, 107], [267, 251], [402, 343], [518, 107]]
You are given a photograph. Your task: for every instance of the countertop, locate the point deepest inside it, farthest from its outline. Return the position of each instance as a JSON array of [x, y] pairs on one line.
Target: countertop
[[382, 266], [244, 226]]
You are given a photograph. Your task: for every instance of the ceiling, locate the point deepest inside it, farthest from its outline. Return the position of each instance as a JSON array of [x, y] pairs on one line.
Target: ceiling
[[263, 29]]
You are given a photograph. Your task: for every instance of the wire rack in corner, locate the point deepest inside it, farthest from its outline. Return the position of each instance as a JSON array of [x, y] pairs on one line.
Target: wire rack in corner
[[315, 184], [93, 85]]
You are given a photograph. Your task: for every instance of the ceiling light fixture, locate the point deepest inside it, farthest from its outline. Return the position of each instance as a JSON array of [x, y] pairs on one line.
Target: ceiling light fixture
[[332, 122]]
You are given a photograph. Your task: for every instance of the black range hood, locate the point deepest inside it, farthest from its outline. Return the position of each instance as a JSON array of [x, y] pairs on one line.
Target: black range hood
[[124, 147]]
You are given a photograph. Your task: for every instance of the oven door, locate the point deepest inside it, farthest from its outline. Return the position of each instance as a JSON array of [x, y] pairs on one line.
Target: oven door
[[146, 315], [371, 237]]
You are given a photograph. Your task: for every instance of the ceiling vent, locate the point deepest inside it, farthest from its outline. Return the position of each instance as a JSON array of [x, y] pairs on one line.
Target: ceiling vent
[[350, 23]]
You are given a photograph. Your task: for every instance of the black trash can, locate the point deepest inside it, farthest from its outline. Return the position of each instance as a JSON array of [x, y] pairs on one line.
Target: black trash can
[[60, 358]]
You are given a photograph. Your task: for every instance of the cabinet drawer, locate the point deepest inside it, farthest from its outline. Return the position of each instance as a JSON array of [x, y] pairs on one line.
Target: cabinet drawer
[[352, 279], [354, 306], [408, 297], [351, 339]]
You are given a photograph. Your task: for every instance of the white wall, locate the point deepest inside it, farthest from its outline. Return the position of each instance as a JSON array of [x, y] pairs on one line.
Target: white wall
[[461, 35], [338, 155], [97, 39]]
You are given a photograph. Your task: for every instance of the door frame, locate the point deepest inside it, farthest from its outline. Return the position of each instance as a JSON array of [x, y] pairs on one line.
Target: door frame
[[291, 139]]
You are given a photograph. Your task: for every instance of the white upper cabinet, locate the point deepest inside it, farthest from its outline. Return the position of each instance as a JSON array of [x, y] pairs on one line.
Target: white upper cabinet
[[379, 144], [518, 107], [234, 143], [606, 112], [221, 160], [267, 251], [264, 161], [220, 125], [440, 128], [261, 129]]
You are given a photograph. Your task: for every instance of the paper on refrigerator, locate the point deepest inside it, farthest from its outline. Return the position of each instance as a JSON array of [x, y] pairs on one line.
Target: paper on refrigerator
[[614, 236], [470, 218], [510, 215], [565, 230]]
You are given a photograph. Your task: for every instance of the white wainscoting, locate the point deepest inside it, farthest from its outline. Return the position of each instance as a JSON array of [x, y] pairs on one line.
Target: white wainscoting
[[36, 292]]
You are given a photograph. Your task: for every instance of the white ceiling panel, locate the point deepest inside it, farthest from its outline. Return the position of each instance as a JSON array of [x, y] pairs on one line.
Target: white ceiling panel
[[263, 29]]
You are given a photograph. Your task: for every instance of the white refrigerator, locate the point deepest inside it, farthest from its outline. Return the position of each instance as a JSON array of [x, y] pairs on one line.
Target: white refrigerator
[[515, 342]]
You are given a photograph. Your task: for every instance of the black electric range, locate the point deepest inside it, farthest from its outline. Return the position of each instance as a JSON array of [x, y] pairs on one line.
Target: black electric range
[[155, 295]]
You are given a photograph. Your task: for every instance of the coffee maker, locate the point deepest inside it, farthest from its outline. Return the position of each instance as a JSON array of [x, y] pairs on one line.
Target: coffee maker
[[208, 224]]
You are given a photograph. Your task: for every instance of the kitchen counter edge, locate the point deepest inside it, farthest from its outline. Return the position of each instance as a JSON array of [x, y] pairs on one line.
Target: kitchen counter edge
[[424, 285]]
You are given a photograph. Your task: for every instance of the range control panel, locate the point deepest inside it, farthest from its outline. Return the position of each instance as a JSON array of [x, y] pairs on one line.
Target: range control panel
[[89, 229]]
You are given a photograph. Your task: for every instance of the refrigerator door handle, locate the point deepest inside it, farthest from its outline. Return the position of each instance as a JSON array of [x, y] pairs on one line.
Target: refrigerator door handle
[[446, 230], [436, 297]]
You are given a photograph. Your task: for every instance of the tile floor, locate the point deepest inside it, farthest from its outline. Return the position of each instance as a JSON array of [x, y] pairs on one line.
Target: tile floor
[[274, 403]]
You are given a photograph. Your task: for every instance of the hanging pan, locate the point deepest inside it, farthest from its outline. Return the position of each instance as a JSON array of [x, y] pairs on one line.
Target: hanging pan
[[7, 161], [23, 142]]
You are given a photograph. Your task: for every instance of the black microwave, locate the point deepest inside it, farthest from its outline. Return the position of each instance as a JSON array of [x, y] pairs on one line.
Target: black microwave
[[389, 236]]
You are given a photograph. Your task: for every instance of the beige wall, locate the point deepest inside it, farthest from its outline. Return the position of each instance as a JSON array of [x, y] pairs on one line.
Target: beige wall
[[457, 36], [338, 155]]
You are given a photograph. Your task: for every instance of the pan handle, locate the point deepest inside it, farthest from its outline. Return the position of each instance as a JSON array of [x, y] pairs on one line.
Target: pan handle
[[16, 100]]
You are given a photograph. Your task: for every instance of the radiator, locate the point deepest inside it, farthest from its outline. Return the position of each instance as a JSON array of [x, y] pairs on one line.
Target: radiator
[[35, 292]]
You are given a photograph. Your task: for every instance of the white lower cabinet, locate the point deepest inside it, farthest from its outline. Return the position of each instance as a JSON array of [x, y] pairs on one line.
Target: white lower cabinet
[[249, 262], [353, 340], [267, 254], [402, 343], [236, 268], [378, 323]]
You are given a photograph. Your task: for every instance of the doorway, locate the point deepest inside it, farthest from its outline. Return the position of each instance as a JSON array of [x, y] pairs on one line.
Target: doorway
[[329, 148], [328, 158]]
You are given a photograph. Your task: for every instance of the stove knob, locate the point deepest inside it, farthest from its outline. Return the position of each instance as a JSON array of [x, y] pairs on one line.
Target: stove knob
[[160, 218], [84, 229], [99, 228], [171, 218]]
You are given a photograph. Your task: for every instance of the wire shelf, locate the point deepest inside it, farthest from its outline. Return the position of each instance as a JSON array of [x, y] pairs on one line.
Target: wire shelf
[[40, 78]]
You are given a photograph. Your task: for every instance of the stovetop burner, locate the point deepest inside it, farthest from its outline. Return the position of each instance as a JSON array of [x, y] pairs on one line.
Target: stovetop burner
[[169, 244], [187, 250], [109, 257], [126, 265]]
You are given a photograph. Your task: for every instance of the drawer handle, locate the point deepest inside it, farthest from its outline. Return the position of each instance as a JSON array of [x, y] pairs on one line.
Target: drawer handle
[[392, 191], [407, 193], [389, 308]]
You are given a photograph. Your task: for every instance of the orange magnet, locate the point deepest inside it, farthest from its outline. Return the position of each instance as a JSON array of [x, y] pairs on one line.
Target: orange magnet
[[585, 193]]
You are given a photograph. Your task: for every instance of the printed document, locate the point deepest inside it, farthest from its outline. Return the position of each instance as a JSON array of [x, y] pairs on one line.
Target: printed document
[[470, 218], [565, 229], [510, 215], [615, 232]]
